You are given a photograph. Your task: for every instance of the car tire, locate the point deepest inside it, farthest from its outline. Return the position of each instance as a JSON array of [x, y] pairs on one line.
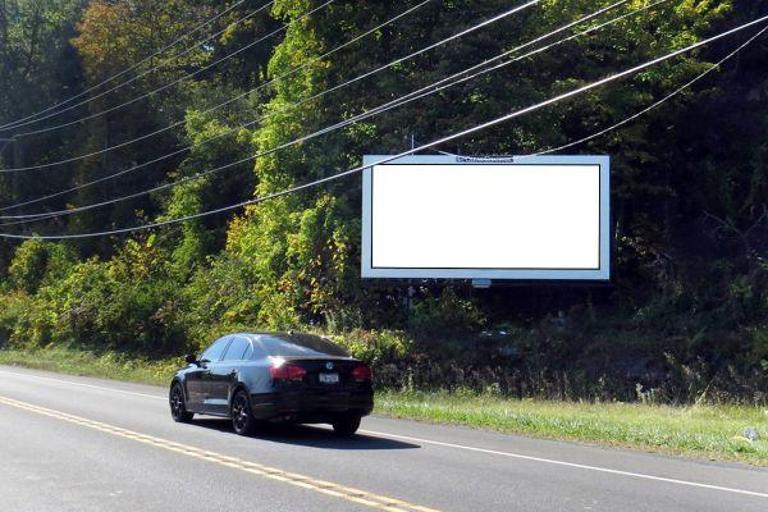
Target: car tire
[[178, 404], [347, 425], [243, 421]]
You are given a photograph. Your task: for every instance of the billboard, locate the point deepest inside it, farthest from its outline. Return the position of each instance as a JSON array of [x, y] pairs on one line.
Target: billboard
[[522, 218]]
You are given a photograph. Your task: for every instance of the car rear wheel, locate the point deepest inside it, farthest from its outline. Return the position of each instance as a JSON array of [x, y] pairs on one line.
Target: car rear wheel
[[179, 411], [242, 418], [346, 425]]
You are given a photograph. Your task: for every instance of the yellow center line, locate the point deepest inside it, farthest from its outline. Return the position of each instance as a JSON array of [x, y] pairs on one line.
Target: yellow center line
[[358, 496]]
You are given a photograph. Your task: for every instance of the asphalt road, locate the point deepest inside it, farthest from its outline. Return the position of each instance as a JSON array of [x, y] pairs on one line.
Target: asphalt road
[[81, 444]]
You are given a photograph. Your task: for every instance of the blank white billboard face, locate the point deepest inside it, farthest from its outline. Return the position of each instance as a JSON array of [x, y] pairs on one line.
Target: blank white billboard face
[[431, 217]]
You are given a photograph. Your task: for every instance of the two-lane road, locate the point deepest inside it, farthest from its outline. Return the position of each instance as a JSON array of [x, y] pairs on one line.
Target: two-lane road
[[80, 444]]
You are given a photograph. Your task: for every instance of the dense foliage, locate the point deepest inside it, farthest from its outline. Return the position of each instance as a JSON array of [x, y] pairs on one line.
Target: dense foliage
[[685, 317]]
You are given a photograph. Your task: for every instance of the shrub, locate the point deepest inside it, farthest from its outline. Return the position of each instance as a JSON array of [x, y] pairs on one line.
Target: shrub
[[386, 351], [128, 303], [376, 347], [219, 298], [36, 262], [447, 313], [15, 304]]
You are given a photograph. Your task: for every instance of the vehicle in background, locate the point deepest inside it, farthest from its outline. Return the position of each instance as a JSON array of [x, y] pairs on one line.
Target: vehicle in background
[[254, 378]]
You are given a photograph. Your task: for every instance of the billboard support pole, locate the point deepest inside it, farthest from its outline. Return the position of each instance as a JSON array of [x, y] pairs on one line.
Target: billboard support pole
[[410, 291]]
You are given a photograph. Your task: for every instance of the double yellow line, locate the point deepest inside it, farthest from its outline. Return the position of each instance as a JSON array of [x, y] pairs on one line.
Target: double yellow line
[[358, 496]]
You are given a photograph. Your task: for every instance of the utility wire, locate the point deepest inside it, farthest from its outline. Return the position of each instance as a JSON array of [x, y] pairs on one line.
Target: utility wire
[[408, 98], [627, 120], [283, 76], [293, 105], [425, 91], [437, 142], [125, 71], [297, 104], [175, 82], [656, 104], [187, 51]]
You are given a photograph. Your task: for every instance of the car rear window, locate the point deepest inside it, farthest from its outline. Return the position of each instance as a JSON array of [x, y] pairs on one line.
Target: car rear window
[[300, 345]]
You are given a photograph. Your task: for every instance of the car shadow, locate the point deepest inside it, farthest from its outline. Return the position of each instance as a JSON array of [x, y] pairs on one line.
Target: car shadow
[[311, 436]]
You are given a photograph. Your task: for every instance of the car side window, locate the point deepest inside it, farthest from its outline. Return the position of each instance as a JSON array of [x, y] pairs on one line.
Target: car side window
[[237, 349], [215, 351]]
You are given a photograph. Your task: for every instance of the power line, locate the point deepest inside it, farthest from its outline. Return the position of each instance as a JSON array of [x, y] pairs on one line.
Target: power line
[[636, 115], [316, 96], [175, 82], [437, 142], [225, 103], [425, 91], [299, 103], [188, 50], [128, 70], [656, 104], [408, 98]]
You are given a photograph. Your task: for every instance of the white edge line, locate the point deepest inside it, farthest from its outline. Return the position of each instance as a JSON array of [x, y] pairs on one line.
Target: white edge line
[[455, 446], [567, 464], [73, 383]]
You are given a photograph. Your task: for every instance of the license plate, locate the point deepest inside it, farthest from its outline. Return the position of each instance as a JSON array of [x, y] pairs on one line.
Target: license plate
[[329, 378]]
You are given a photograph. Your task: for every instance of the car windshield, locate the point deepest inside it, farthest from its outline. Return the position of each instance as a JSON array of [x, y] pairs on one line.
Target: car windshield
[[300, 345]]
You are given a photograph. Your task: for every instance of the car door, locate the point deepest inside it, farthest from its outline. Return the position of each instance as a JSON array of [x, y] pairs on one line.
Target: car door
[[223, 374], [193, 381], [199, 381]]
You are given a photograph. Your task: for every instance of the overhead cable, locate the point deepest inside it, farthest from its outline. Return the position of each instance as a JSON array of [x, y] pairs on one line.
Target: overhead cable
[[149, 58], [405, 99], [437, 142]]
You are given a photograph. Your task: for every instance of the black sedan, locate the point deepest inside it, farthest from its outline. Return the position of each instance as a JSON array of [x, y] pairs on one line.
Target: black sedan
[[254, 378]]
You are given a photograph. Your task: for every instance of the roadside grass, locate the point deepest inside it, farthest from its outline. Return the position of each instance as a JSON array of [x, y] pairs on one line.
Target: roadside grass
[[714, 432], [107, 365]]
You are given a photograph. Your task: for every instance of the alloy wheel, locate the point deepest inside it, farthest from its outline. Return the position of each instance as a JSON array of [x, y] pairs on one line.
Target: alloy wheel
[[240, 414], [177, 402], [179, 411]]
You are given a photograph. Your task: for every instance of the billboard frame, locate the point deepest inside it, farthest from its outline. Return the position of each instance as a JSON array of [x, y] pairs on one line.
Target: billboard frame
[[601, 274]]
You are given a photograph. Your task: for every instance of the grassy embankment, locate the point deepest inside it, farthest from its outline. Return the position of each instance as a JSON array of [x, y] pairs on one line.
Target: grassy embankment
[[703, 431]]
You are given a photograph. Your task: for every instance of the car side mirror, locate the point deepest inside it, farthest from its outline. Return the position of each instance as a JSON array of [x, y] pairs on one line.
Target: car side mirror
[[191, 359]]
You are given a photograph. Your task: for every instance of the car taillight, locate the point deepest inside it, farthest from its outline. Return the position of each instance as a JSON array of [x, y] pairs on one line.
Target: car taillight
[[287, 372], [362, 374]]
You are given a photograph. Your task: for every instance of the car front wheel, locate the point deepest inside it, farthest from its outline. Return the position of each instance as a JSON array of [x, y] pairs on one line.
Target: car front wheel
[[346, 425], [242, 418], [179, 411]]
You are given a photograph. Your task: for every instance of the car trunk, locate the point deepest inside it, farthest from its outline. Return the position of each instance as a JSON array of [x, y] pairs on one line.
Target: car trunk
[[326, 373]]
